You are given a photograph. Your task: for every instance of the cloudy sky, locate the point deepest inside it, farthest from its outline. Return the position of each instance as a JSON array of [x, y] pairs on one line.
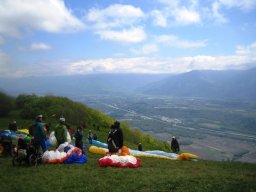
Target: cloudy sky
[[56, 37]]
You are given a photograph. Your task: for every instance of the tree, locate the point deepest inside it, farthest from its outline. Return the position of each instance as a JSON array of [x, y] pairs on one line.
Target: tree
[[24, 99], [6, 104]]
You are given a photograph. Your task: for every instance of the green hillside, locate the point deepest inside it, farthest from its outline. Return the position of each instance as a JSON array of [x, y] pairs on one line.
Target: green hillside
[[24, 108]]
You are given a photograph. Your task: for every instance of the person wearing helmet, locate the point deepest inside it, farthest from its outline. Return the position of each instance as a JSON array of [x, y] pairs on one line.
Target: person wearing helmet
[[61, 131], [37, 132], [139, 147]]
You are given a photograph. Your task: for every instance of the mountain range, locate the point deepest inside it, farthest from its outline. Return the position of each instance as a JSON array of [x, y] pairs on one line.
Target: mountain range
[[230, 84], [207, 84]]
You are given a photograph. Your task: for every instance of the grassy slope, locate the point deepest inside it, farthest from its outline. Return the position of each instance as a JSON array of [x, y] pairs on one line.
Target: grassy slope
[[153, 175]]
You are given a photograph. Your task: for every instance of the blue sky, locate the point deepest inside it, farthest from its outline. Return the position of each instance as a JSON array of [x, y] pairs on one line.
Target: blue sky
[[55, 37]]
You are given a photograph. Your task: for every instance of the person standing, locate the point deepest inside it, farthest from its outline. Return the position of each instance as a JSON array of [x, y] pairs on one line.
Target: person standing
[[61, 131], [175, 145], [38, 134], [90, 136], [13, 126], [95, 137], [115, 138], [79, 138], [139, 147]]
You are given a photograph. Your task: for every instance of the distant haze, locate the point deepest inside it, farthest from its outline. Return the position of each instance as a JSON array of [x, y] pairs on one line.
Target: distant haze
[[204, 84]]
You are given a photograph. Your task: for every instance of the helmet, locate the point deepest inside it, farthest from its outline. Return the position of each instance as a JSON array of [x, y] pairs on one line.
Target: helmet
[[27, 139], [39, 116], [62, 119]]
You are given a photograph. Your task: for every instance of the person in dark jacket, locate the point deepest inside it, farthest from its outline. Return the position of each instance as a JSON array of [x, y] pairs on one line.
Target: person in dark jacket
[[175, 145], [139, 147], [79, 138], [115, 138], [13, 126], [90, 135], [95, 137], [37, 132]]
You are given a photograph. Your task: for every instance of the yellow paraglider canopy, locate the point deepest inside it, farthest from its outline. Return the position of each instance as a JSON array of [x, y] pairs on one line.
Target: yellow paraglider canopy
[[25, 131]]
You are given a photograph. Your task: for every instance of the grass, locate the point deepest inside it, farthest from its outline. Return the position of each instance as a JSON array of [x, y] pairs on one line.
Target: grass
[[153, 175]]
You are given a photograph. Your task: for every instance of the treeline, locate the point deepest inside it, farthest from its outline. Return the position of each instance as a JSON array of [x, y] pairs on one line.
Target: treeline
[[53, 107], [77, 114]]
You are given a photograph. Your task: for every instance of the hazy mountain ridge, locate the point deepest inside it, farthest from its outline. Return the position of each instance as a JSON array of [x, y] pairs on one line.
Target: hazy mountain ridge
[[231, 84], [207, 84], [78, 84]]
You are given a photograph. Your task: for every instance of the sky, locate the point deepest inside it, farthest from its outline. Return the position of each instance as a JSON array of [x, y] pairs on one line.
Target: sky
[[70, 37]]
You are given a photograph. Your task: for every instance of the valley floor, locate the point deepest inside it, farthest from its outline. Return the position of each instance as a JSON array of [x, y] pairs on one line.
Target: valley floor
[[213, 129]]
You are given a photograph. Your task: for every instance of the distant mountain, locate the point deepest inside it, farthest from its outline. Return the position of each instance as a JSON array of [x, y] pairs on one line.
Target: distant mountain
[[231, 84], [78, 84], [207, 84]]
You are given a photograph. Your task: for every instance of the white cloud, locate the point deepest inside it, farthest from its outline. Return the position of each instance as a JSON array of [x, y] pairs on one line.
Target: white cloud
[[168, 41], [174, 41], [39, 47], [158, 65], [181, 12], [46, 15], [110, 65], [216, 15], [185, 16], [244, 57], [131, 35], [159, 19], [189, 12], [245, 5], [114, 16], [249, 50], [119, 23], [146, 49]]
